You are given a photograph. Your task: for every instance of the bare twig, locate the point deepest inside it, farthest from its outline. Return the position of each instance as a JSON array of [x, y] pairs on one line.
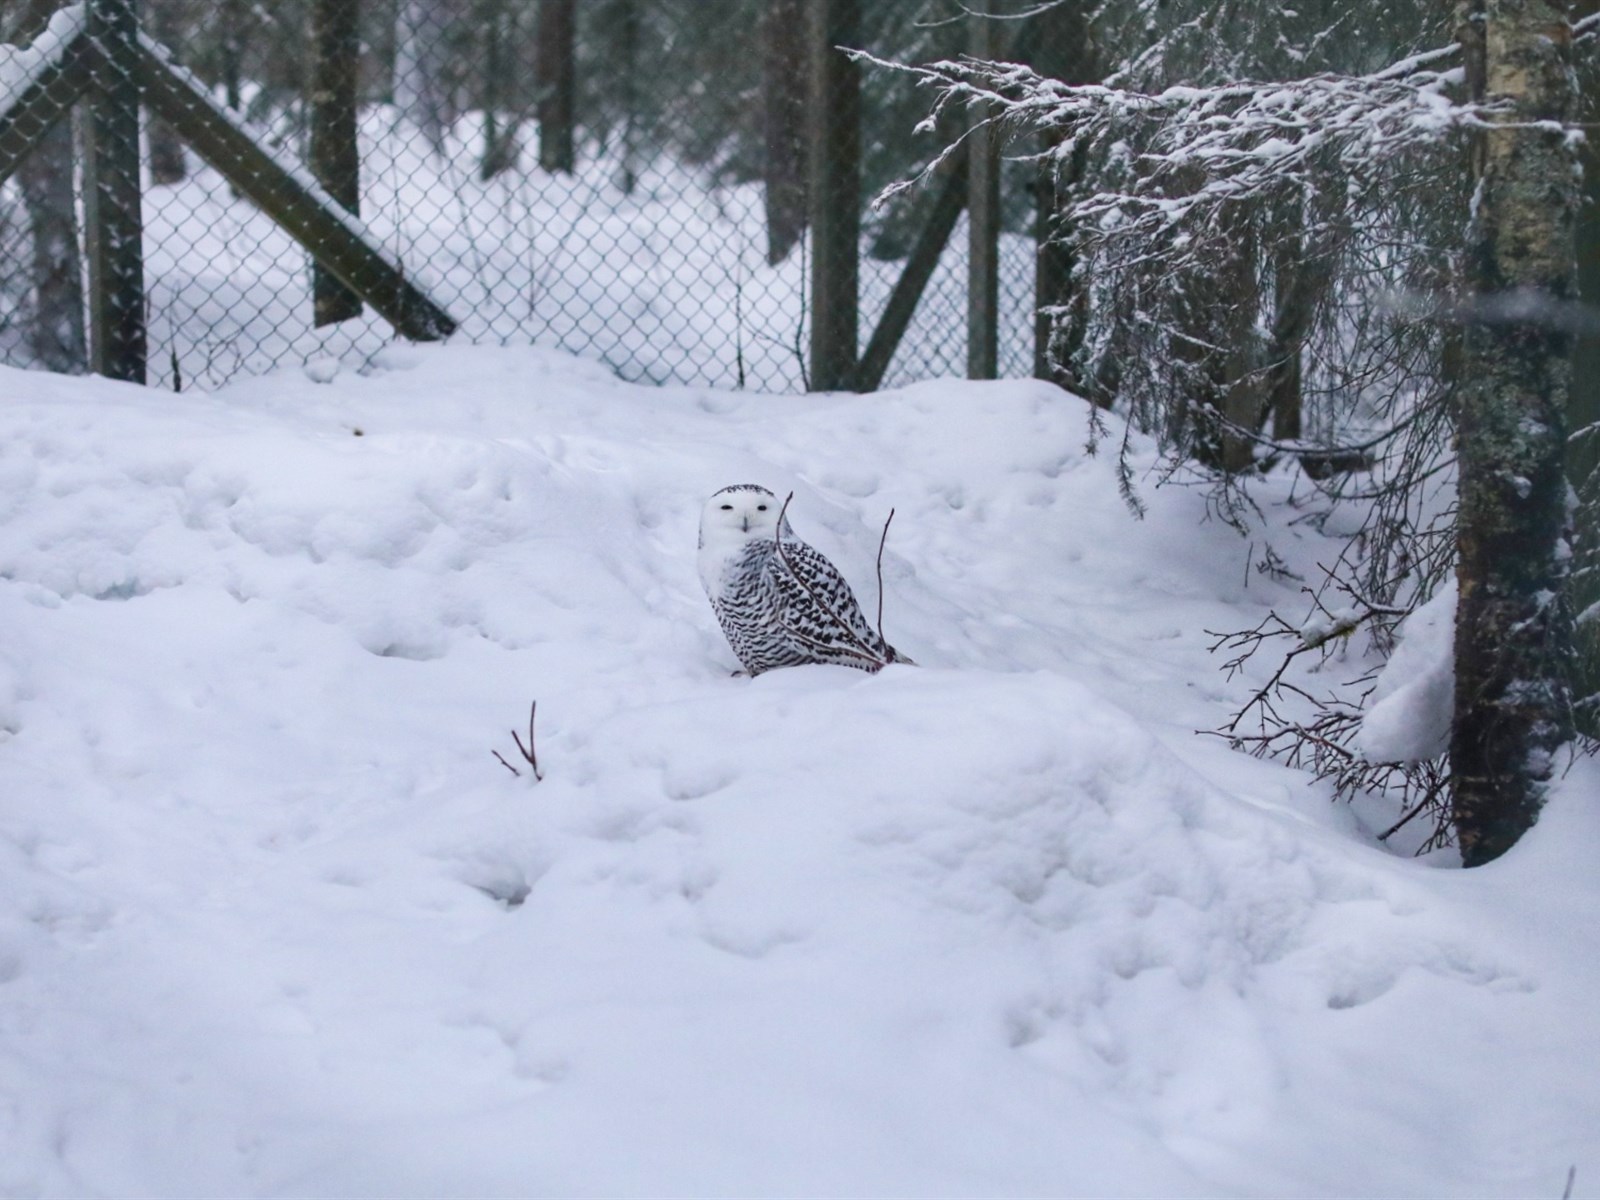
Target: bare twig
[[1323, 742], [527, 751], [881, 542]]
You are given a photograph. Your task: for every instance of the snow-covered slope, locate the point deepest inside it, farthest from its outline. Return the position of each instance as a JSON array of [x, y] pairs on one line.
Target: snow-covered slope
[[274, 922]]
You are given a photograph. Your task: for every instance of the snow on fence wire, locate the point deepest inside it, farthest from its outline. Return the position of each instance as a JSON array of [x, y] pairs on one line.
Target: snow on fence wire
[[678, 188]]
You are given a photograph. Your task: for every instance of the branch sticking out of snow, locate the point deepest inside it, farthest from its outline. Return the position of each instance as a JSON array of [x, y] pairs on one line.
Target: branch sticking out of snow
[[527, 752], [882, 541]]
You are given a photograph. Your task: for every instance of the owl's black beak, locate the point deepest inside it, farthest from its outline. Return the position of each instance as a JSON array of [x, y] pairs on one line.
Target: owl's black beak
[[744, 525]]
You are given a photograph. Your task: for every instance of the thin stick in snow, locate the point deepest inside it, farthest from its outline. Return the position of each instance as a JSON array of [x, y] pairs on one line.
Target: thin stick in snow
[[881, 541], [527, 752]]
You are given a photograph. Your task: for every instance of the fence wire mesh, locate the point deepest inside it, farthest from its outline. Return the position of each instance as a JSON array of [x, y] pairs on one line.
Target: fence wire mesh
[[624, 179]]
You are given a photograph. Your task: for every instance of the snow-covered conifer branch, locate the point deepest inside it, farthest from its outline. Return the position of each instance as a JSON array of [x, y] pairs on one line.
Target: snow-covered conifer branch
[[1185, 150]]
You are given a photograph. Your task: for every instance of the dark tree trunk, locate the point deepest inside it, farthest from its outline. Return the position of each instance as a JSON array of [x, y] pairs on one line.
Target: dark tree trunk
[[335, 156], [1583, 451], [56, 326], [500, 127], [1057, 43], [167, 164], [835, 193], [231, 14], [628, 19], [113, 196], [1512, 648], [555, 76], [1216, 320], [1300, 282], [983, 217], [784, 96], [56, 329]]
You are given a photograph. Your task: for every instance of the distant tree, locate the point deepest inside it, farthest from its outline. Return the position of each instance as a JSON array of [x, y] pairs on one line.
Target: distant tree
[[230, 50], [167, 163], [502, 115], [630, 40], [555, 75], [423, 91], [335, 49], [55, 325], [784, 110]]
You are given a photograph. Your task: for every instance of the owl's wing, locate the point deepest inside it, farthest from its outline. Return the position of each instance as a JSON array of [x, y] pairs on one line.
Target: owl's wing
[[818, 608]]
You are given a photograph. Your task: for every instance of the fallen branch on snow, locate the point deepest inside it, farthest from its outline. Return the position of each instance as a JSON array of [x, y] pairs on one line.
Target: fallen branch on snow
[[1322, 743]]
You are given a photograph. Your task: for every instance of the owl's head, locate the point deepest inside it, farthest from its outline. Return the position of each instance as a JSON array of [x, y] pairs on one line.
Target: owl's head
[[742, 513]]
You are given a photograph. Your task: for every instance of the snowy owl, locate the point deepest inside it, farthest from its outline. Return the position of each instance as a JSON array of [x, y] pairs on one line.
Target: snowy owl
[[780, 602]]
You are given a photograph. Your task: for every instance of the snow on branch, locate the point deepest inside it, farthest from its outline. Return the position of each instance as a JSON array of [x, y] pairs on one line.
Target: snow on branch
[[1188, 149]]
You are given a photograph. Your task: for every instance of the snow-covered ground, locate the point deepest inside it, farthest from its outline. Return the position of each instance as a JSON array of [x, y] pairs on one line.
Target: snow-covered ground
[[273, 922]]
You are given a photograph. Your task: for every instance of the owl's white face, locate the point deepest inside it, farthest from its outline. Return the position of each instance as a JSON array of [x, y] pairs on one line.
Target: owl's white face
[[740, 514], [730, 521]]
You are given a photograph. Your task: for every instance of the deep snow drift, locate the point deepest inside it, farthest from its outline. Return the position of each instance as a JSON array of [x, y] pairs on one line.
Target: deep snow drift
[[274, 922]]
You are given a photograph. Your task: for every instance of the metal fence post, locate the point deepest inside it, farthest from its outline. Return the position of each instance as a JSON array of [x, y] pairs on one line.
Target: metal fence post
[[113, 217], [835, 193], [983, 223]]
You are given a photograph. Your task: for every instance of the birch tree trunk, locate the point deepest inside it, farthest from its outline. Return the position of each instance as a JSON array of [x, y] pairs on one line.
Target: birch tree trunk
[[1512, 642]]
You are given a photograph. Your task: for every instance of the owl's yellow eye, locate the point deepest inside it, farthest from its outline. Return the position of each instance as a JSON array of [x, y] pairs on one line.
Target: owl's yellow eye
[[727, 508]]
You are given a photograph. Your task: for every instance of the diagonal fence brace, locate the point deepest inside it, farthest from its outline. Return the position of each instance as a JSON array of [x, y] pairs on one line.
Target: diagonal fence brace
[[54, 87], [295, 201], [298, 203]]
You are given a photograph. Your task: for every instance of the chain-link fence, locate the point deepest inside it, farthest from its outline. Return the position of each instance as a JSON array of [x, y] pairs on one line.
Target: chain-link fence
[[632, 180]]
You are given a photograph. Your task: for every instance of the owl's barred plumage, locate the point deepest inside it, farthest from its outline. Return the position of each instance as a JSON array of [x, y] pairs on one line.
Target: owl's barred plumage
[[780, 602]]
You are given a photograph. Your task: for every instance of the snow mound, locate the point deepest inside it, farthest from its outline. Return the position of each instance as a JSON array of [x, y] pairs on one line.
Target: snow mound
[[273, 921]]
